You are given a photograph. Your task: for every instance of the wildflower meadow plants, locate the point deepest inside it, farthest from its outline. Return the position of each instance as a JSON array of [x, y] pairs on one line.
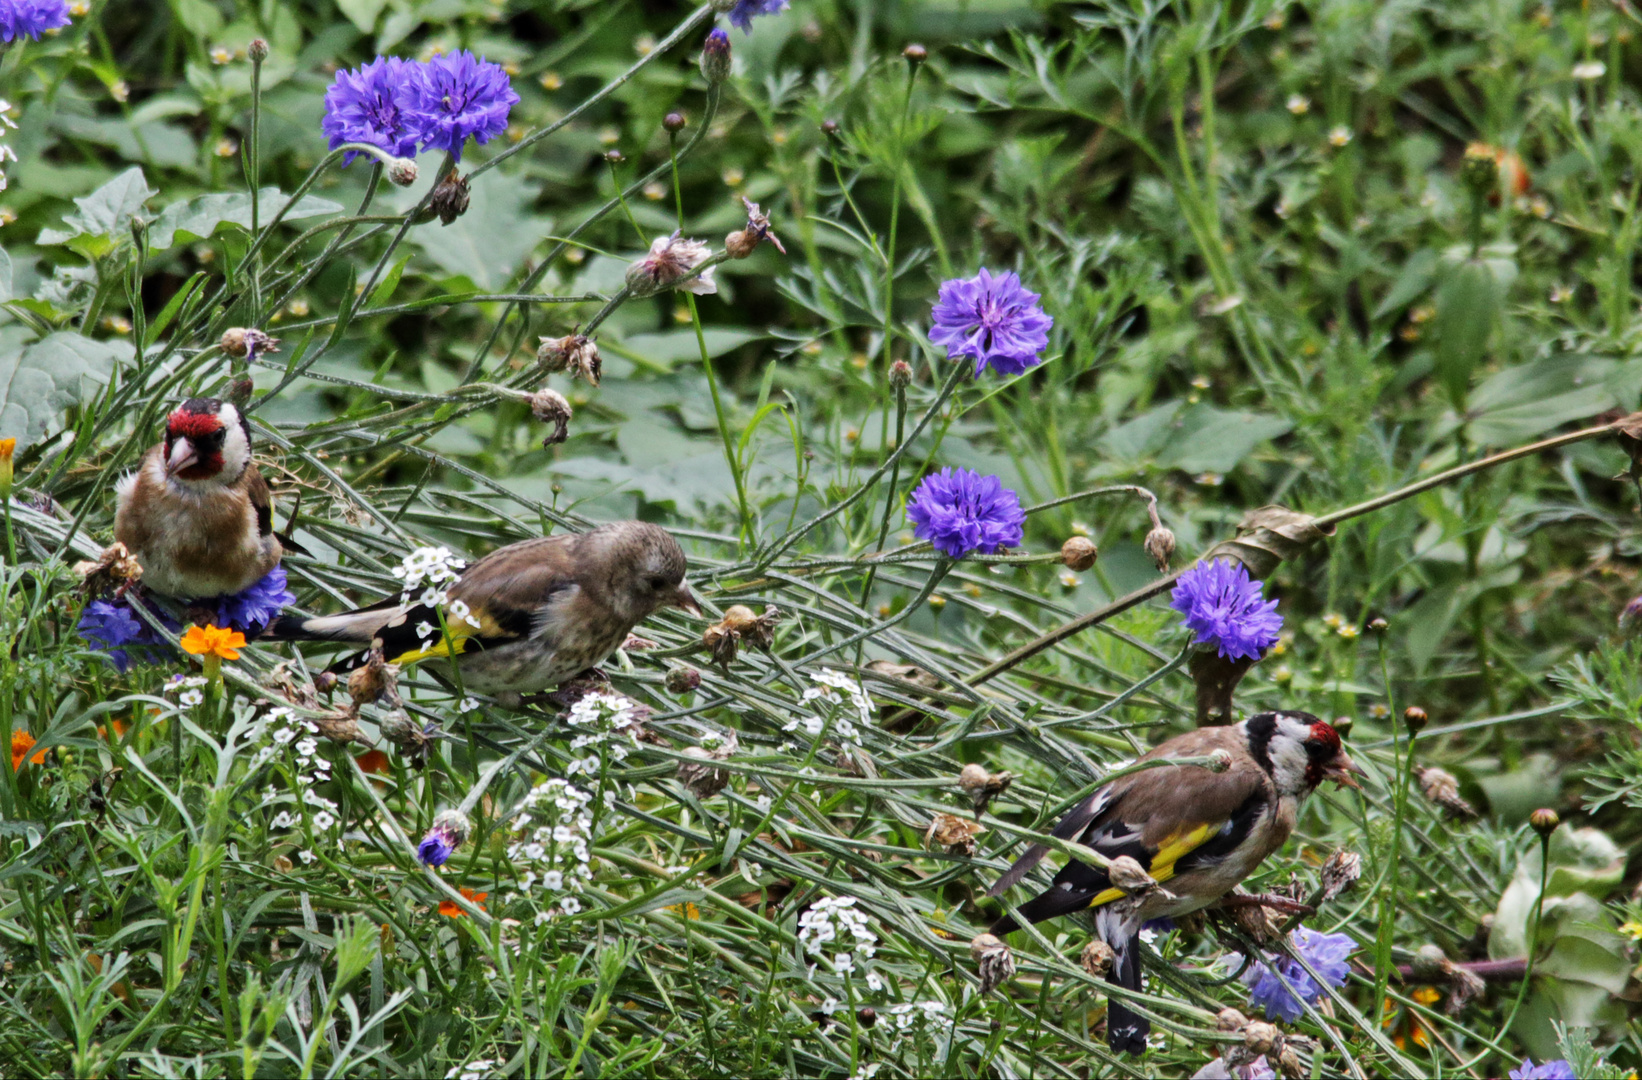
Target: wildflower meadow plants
[[1025, 386]]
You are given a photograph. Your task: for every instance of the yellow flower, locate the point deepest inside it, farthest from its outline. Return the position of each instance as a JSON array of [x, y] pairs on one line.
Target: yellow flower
[[686, 910], [213, 641], [8, 447], [1632, 930]]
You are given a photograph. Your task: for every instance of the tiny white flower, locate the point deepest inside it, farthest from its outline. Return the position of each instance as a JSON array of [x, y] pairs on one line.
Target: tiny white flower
[[1590, 69], [425, 629], [570, 905]]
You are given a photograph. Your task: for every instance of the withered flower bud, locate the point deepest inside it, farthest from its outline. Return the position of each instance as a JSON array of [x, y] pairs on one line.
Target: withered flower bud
[[682, 680], [245, 341], [1230, 1019], [1416, 719], [982, 786], [373, 680], [742, 242], [116, 568], [326, 681], [1097, 958], [715, 57], [1340, 872], [402, 172], [1127, 874], [257, 50], [722, 638], [1255, 920], [1079, 553], [550, 407], [1443, 788], [1342, 725], [1288, 1062], [450, 198], [700, 776], [339, 728], [1259, 1037], [953, 833], [1544, 821], [995, 963], [674, 122], [915, 54], [1159, 545], [829, 127], [900, 375], [671, 263], [576, 353], [239, 392]]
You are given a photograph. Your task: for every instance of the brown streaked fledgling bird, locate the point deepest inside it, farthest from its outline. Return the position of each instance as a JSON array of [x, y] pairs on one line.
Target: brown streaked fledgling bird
[[196, 512], [1199, 831], [525, 618]]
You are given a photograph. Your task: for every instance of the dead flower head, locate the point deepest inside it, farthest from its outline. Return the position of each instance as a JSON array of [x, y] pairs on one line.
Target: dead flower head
[[550, 407], [671, 263], [575, 353], [1443, 788], [994, 962], [740, 624], [982, 786], [742, 242], [115, 569], [1340, 872], [953, 833], [699, 775], [373, 680]]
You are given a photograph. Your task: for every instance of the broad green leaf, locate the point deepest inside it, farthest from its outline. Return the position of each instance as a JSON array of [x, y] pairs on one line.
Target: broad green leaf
[[390, 282], [661, 351], [1196, 438], [200, 17], [1469, 304], [362, 13], [151, 142], [38, 381], [1414, 279], [1527, 400], [106, 211], [199, 217], [487, 243]]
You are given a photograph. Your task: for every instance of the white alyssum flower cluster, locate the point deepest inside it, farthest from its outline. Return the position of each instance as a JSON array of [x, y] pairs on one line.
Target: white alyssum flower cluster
[[845, 729], [429, 569], [297, 734], [607, 719], [190, 689], [7, 125], [473, 1070], [552, 831], [834, 928]]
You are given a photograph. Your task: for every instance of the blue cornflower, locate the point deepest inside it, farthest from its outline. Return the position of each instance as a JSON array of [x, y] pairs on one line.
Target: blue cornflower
[[112, 627], [961, 511], [378, 104], [460, 95], [255, 606], [1227, 610], [745, 11], [448, 832], [994, 320], [1551, 1070], [1326, 953], [31, 18]]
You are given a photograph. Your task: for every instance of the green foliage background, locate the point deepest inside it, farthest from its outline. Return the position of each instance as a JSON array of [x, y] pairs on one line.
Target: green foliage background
[[1274, 280]]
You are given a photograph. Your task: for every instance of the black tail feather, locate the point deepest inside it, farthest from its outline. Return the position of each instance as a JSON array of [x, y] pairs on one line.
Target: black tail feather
[[1074, 887], [1126, 1030]]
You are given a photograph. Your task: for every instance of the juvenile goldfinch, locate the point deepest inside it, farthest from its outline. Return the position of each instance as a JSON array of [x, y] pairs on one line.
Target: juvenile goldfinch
[[1198, 831], [196, 512], [526, 617]]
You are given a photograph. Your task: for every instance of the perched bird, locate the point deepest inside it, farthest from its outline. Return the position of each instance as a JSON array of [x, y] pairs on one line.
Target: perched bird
[[1202, 832], [196, 512], [526, 617]]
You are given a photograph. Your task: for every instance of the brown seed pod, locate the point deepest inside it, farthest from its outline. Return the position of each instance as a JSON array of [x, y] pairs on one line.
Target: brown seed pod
[[1079, 553], [982, 786]]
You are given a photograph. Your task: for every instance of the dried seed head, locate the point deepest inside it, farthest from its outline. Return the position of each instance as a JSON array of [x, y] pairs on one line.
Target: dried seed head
[[1259, 1037], [1544, 821], [450, 198], [700, 776], [1160, 545], [1443, 788], [1079, 553], [994, 961], [682, 680], [245, 341], [953, 833], [340, 728], [1255, 920], [900, 375], [550, 407], [402, 172], [1127, 874], [742, 242], [1288, 1061], [576, 353], [670, 263], [1340, 872], [1097, 958], [325, 682], [115, 569], [1230, 1020], [723, 637], [1464, 987], [1416, 719], [982, 786], [373, 680]]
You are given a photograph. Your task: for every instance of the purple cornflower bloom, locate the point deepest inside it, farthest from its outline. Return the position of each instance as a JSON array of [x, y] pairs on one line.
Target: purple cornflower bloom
[[1227, 609], [255, 606], [461, 95], [31, 18], [961, 511], [994, 320], [448, 832], [1258, 1069], [112, 627], [1551, 1070], [745, 11], [1326, 953], [377, 105]]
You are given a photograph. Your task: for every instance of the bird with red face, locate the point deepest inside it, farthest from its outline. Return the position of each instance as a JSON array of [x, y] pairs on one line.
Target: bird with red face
[[1200, 831], [196, 512]]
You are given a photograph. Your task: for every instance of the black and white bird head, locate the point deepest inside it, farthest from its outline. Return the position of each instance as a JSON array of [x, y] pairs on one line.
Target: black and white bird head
[[207, 443], [1299, 751]]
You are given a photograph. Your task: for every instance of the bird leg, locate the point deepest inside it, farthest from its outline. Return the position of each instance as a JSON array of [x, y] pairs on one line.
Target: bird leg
[[1270, 900]]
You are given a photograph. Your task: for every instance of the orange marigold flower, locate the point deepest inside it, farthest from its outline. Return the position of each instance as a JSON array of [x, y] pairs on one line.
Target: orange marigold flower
[[118, 727], [373, 761], [450, 909], [21, 743], [213, 641]]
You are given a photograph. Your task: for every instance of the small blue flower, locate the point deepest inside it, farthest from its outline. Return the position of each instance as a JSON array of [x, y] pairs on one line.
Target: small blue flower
[[448, 832], [992, 319], [745, 11], [961, 511], [113, 627], [1326, 953], [31, 18], [376, 105], [1551, 1070], [255, 606], [1227, 610], [461, 96]]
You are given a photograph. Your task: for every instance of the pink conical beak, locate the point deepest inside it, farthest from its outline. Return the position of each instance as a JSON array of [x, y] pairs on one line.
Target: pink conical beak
[[182, 456], [685, 599]]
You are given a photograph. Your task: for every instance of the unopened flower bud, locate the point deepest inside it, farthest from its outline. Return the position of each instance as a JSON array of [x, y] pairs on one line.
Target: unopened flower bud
[[867, 1017], [915, 54], [994, 962], [1544, 821], [614, 157], [1229, 1019], [1480, 169], [257, 50], [1079, 553], [1416, 719], [829, 127], [450, 198], [1159, 545], [449, 831], [1378, 625], [550, 407], [715, 57], [402, 172], [372, 680], [245, 341], [1259, 1037], [682, 680], [674, 122], [900, 375]]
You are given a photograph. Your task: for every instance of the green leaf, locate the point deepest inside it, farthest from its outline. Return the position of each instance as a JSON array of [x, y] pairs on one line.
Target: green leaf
[[199, 217], [38, 381], [1469, 303], [660, 352], [5, 276], [1522, 402], [487, 243], [389, 282], [106, 211], [150, 142], [362, 13], [199, 17], [1414, 279]]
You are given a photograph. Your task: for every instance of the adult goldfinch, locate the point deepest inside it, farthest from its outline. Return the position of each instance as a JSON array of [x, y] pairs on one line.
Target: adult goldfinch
[[1198, 831], [526, 617], [196, 513]]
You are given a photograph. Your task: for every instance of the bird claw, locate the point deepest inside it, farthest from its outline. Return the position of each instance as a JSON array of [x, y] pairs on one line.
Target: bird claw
[[1269, 900]]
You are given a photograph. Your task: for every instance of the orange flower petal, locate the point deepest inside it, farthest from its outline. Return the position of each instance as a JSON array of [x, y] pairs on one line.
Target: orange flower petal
[[373, 761]]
